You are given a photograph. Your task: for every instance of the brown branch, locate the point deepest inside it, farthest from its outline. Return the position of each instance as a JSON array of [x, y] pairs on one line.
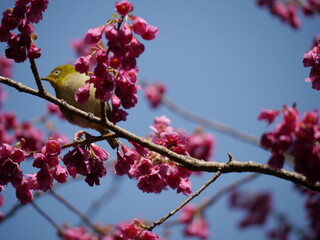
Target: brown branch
[[75, 211], [46, 216], [225, 190], [188, 162], [36, 75], [185, 202]]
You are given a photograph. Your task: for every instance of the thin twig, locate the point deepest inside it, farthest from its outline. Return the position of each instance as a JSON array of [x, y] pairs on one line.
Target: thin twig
[[105, 197], [83, 217], [225, 190], [160, 221], [47, 217], [36, 75], [103, 112], [203, 187]]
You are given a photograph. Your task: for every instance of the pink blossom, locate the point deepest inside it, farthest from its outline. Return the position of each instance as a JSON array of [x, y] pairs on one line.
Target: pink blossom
[[200, 145], [34, 52], [9, 21], [154, 93], [147, 235], [94, 34], [54, 109], [35, 9], [82, 94], [25, 27], [87, 162], [150, 33], [187, 213], [135, 49], [111, 32], [23, 193], [29, 137], [123, 7], [6, 66], [310, 57], [121, 166], [197, 228], [52, 147], [268, 115], [77, 233], [60, 174], [161, 124], [314, 77], [125, 34], [185, 187], [139, 25], [82, 64], [257, 206]]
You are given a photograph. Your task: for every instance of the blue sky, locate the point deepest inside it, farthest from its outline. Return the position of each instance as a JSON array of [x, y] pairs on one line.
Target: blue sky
[[224, 60]]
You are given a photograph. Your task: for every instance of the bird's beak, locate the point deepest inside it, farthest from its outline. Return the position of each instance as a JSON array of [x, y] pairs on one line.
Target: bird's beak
[[45, 79]]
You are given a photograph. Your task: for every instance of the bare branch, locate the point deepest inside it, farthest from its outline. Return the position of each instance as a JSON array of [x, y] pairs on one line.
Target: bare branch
[[160, 221], [48, 218], [76, 211]]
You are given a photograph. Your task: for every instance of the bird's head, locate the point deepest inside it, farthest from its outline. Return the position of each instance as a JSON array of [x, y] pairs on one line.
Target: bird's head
[[59, 74]]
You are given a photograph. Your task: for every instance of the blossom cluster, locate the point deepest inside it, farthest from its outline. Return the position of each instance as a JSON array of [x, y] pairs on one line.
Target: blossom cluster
[[87, 161], [312, 59], [287, 11], [196, 225], [125, 231], [112, 67], [155, 172], [257, 206], [29, 138], [297, 137], [21, 45]]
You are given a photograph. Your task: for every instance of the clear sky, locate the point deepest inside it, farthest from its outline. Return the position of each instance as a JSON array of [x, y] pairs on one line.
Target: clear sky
[[224, 60]]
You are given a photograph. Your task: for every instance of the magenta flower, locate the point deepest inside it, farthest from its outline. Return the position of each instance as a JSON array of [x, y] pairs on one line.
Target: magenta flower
[[23, 193], [82, 64], [310, 57], [150, 33], [125, 34], [87, 162], [82, 95], [94, 34], [268, 115], [111, 32], [136, 48], [6, 65], [314, 77], [257, 206], [139, 25], [123, 7], [154, 93]]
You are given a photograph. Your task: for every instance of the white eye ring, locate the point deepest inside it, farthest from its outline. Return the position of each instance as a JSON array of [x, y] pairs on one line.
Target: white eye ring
[[56, 72]]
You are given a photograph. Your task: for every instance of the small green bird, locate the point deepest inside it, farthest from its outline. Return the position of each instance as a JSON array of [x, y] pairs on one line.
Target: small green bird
[[66, 81]]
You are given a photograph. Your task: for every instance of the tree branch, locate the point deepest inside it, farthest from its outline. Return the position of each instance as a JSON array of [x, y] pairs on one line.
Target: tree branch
[[187, 161], [160, 221]]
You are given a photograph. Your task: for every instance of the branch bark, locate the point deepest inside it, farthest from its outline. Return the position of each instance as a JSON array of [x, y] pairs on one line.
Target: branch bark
[[188, 162]]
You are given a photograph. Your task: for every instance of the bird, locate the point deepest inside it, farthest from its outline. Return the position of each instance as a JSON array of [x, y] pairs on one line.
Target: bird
[[66, 81]]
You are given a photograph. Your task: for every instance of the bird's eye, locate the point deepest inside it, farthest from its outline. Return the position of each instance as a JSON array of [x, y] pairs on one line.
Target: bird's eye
[[56, 72]]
